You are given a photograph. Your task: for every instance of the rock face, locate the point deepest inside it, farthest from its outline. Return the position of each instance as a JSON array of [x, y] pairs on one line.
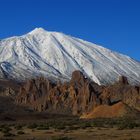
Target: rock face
[[79, 96], [9, 88], [123, 80], [119, 91]]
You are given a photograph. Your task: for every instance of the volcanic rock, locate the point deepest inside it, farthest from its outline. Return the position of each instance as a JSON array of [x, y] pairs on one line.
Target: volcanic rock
[[105, 111], [80, 96]]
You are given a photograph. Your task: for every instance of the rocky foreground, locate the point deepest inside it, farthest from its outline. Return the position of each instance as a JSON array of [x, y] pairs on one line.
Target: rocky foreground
[[80, 96]]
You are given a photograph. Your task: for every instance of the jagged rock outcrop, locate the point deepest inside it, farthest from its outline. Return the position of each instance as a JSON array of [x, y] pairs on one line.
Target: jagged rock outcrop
[[79, 96], [123, 80], [9, 88], [122, 91]]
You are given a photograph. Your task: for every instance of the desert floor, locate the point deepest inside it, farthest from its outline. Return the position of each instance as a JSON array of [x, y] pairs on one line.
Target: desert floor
[[69, 128], [80, 134]]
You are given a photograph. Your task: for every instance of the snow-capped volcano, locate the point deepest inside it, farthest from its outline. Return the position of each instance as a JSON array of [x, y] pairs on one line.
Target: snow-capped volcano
[[56, 55]]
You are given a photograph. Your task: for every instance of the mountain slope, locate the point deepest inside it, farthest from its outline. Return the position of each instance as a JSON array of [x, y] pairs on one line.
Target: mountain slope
[[56, 55], [105, 111]]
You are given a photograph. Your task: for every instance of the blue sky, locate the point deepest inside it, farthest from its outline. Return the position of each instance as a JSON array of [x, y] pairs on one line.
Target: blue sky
[[115, 24]]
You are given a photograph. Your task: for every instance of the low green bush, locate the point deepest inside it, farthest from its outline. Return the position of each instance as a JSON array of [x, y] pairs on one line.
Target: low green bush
[[61, 138], [32, 126], [18, 127], [8, 134], [6, 129], [43, 127], [20, 133]]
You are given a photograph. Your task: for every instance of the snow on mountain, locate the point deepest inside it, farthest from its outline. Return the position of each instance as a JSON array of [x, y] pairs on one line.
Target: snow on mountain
[[56, 55]]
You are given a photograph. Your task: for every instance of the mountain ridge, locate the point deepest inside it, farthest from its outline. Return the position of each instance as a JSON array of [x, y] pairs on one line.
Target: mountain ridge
[[56, 55]]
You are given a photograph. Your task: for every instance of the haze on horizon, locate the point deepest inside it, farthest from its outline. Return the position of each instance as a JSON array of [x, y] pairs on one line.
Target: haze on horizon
[[114, 24]]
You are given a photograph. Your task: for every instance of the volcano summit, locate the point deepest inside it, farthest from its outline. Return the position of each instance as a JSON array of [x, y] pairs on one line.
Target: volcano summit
[[56, 55]]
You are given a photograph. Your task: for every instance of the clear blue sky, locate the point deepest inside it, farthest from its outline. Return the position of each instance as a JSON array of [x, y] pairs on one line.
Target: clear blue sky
[[115, 24]]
